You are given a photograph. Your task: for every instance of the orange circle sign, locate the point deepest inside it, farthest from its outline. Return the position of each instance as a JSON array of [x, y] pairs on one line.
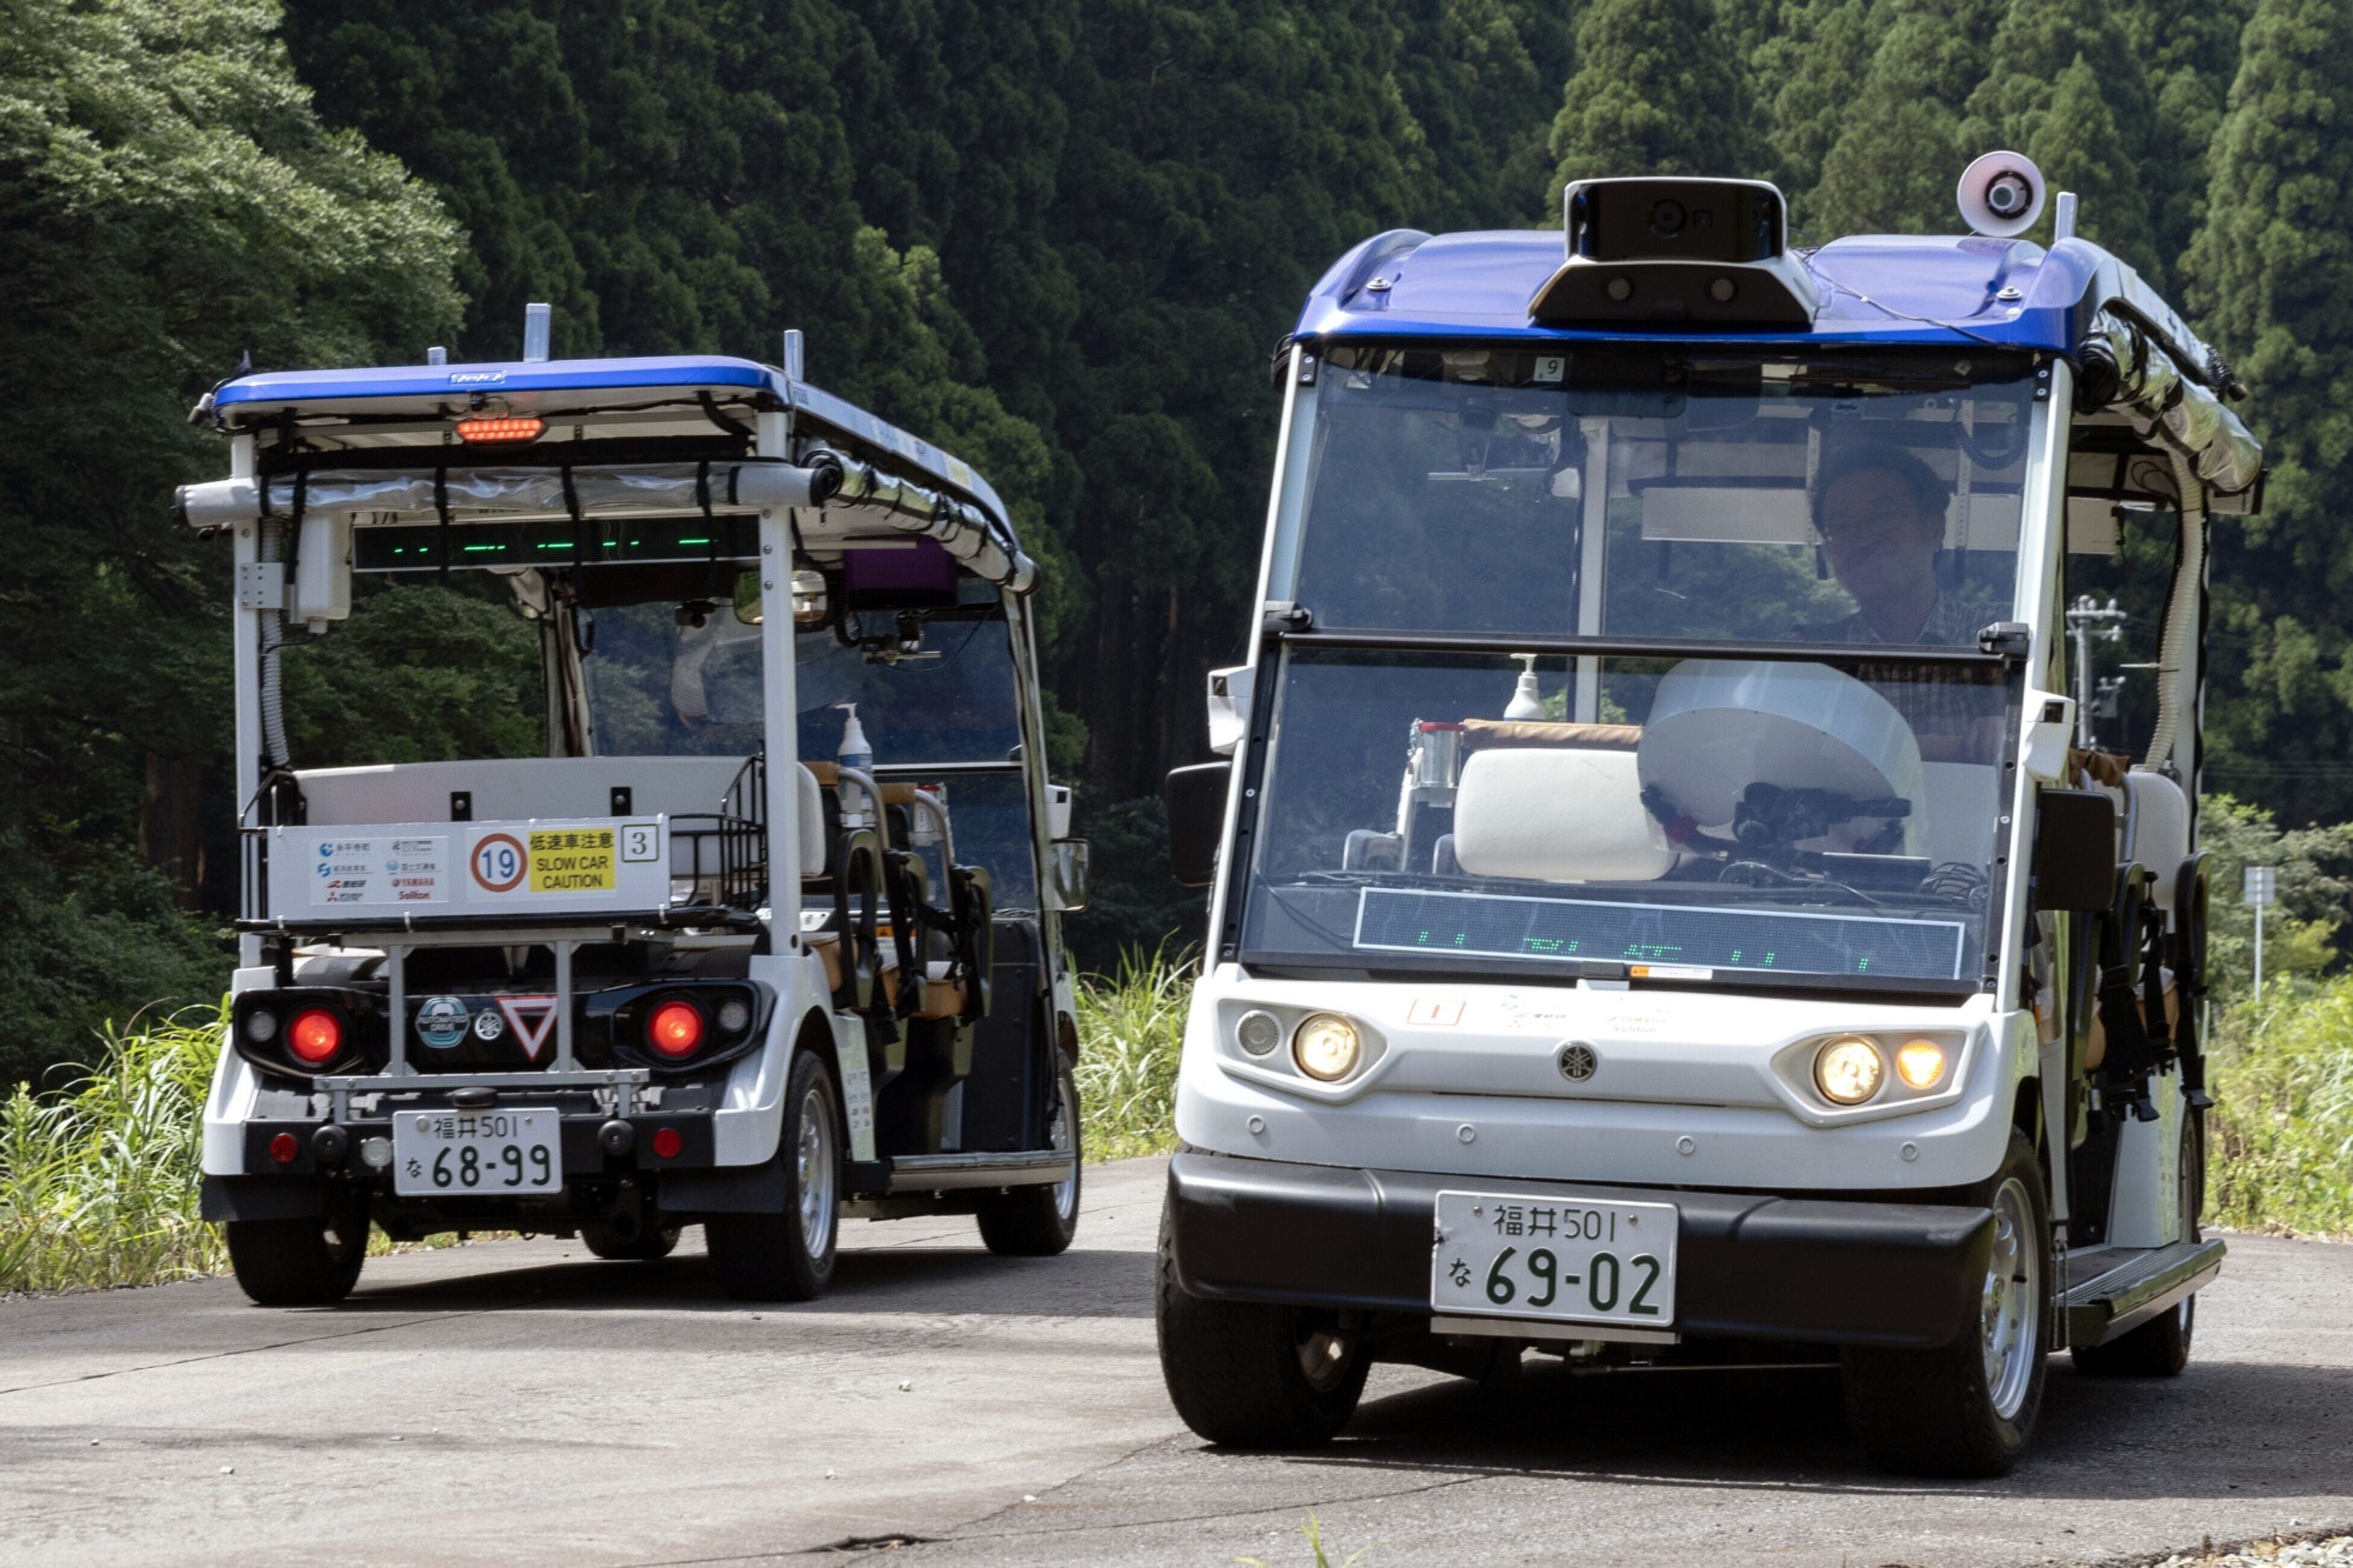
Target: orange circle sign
[[500, 864]]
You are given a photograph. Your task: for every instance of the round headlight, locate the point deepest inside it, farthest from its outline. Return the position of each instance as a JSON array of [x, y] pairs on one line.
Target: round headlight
[[262, 1026], [1326, 1047], [1920, 1063], [1848, 1070], [1259, 1032]]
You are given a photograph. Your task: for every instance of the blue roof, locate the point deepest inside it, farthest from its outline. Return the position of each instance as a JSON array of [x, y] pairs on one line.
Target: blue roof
[[715, 372], [1938, 290]]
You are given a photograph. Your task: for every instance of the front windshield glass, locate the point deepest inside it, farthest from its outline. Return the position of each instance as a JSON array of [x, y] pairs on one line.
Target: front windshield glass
[[1729, 814], [1664, 492]]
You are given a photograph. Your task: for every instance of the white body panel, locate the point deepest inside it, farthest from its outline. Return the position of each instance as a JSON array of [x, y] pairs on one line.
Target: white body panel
[[491, 870]]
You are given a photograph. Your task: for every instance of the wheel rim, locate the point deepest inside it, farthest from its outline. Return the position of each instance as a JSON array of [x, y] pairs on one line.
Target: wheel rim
[[813, 1163], [1324, 1361], [1058, 1134], [2010, 1311]]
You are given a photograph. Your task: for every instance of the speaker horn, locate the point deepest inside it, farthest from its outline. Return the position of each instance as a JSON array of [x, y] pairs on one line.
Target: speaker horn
[[2000, 194]]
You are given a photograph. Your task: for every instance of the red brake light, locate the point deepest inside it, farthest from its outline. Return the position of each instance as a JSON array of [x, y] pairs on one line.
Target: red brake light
[[667, 1143], [498, 428], [283, 1149], [316, 1035], [675, 1029]]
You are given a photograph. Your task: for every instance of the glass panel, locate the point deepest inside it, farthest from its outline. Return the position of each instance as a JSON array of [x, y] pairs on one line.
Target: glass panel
[[1675, 492], [953, 699], [658, 688], [1735, 814]]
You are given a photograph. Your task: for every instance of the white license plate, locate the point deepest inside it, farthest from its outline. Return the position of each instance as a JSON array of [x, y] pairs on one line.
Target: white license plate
[[446, 1153], [1506, 1254]]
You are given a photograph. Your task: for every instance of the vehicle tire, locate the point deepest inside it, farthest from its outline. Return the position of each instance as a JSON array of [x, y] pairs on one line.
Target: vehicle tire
[[609, 1243], [2160, 1347], [1248, 1375], [788, 1256], [312, 1261], [1039, 1222], [1967, 1409]]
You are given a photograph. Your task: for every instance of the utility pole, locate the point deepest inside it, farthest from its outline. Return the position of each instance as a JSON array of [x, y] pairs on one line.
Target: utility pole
[[2089, 622]]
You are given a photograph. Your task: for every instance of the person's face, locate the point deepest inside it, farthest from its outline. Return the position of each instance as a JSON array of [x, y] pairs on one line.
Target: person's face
[[1877, 540]]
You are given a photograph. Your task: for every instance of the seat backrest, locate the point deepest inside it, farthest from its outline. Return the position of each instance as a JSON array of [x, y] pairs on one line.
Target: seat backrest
[[2155, 830], [1556, 814], [814, 827]]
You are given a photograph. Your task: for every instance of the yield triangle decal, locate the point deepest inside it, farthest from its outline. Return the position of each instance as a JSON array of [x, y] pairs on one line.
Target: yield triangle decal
[[531, 1018]]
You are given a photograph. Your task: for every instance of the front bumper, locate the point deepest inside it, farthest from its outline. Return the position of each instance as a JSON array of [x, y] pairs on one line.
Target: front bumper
[[1748, 1266]]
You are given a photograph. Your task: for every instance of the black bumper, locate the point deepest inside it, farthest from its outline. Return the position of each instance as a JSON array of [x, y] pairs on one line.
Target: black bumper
[[1824, 1271]]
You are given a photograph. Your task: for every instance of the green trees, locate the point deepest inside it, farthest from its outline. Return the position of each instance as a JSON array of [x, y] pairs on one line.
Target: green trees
[[1656, 92]]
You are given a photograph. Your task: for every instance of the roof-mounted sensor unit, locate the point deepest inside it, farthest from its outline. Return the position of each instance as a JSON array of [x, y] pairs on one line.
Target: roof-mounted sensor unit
[[1672, 253]]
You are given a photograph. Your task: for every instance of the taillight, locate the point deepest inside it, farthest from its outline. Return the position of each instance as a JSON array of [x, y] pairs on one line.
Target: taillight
[[315, 1036], [500, 429], [675, 1029], [283, 1149]]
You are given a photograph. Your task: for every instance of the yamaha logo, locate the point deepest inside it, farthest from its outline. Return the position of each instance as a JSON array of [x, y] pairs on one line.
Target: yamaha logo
[[1578, 1061]]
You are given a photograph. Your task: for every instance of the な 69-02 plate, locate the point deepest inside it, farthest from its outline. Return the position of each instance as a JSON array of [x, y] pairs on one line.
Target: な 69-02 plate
[[1509, 1254]]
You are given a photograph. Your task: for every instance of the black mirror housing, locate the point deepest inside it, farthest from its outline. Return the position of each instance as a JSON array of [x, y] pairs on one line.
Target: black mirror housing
[[1195, 798], [2074, 851]]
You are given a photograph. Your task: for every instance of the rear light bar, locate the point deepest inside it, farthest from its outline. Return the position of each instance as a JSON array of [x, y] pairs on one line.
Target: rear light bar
[[500, 429], [309, 1030]]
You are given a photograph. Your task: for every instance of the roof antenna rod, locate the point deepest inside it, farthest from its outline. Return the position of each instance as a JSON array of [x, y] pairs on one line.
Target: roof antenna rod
[[535, 324], [2062, 218], [794, 354]]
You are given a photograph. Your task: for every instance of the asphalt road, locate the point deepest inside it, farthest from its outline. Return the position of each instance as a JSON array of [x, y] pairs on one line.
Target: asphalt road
[[517, 1401]]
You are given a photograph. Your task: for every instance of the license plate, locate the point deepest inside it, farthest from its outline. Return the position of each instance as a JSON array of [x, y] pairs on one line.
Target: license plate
[[456, 1152], [1505, 1255]]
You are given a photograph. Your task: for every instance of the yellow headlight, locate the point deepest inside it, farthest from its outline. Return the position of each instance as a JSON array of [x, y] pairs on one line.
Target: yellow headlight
[[1326, 1047], [1848, 1070], [1920, 1063]]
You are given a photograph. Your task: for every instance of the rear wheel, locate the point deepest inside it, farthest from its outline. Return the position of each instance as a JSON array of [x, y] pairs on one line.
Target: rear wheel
[[1250, 1375], [1967, 1408], [789, 1257], [312, 1261], [2160, 1347], [615, 1244], [1039, 1222]]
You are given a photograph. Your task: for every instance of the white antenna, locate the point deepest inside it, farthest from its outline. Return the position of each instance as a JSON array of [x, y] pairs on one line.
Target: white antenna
[[437, 354], [794, 354], [2062, 218], [536, 321]]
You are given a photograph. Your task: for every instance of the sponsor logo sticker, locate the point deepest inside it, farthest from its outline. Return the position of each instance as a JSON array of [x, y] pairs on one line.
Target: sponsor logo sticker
[[441, 1022], [1435, 1011], [489, 1025]]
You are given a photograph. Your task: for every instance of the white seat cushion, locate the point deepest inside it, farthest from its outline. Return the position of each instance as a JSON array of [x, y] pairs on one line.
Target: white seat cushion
[[1556, 814]]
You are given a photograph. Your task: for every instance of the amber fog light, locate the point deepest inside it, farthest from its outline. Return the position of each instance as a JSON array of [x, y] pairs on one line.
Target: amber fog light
[[1326, 1047], [1849, 1070], [1920, 1063]]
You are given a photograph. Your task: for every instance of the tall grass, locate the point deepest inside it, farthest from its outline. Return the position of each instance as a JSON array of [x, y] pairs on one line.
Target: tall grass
[[98, 1180], [2281, 1127], [1130, 1026]]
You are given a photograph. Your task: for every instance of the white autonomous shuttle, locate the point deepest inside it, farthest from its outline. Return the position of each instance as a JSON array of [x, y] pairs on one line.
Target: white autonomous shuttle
[[1662, 913], [765, 929]]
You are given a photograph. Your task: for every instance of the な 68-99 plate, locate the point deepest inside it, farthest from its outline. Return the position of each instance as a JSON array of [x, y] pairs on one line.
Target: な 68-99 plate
[[1505, 1254], [455, 1153]]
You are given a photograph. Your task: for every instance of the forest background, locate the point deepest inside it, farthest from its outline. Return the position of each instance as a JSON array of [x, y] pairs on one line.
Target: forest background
[[1060, 236]]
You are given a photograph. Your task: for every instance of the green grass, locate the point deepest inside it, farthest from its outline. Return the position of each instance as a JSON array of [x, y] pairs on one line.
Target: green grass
[[1130, 1026], [98, 1180], [2281, 1132]]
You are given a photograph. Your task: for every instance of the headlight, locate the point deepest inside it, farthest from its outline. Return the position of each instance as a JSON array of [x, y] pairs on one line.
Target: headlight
[[1920, 1063], [1848, 1070], [1259, 1032], [1326, 1047]]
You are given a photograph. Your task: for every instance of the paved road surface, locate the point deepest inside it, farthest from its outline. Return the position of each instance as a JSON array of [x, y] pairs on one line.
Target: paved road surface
[[517, 1401]]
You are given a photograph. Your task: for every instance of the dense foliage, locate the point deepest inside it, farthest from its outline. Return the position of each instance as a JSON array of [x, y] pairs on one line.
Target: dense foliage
[[1060, 236]]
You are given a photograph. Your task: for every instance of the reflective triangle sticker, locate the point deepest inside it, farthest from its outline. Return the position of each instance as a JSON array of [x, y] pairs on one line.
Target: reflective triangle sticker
[[531, 1017]]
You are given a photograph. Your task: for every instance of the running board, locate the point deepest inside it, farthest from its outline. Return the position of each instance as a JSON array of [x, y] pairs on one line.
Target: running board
[[945, 1172], [2138, 1288]]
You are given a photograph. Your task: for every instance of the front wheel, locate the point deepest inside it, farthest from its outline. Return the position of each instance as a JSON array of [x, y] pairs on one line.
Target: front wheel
[[1250, 1375], [1967, 1409], [788, 1256], [312, 1261], [1040, 1222]]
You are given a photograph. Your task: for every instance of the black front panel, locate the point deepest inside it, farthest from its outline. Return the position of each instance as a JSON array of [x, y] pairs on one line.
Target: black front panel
[[1004, 1097]]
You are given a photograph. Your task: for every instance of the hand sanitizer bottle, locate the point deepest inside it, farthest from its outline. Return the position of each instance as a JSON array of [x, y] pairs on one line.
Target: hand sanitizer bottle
[[1527, 702], [855, 753]]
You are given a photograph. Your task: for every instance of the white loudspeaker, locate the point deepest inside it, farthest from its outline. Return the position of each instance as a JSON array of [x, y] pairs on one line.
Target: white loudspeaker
[[2000, 194]]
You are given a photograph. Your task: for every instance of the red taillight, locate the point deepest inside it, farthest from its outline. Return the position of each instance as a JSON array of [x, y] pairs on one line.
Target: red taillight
[[675, 1029], [315, 1036], [504, 427], [283, 1149], [667, 1143]]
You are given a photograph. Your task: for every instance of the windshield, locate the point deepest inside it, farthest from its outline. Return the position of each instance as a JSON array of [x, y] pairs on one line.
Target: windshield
[[1663, 492], [1766, 816]]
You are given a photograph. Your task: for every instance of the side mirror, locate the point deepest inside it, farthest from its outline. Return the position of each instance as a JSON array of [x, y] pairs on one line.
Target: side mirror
[[2074, 851], [1066, 875], [1196, 797]]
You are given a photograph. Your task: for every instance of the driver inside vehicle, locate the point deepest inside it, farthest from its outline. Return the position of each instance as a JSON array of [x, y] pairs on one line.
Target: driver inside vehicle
[[1881, 514]]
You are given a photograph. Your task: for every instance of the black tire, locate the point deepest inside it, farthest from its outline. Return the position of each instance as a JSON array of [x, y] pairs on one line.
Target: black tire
[[1040, 1222], [789, 1257], [609, 1243], [2160, 1347], [313, 1261], [1240, 1372], [1968, 1408]]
